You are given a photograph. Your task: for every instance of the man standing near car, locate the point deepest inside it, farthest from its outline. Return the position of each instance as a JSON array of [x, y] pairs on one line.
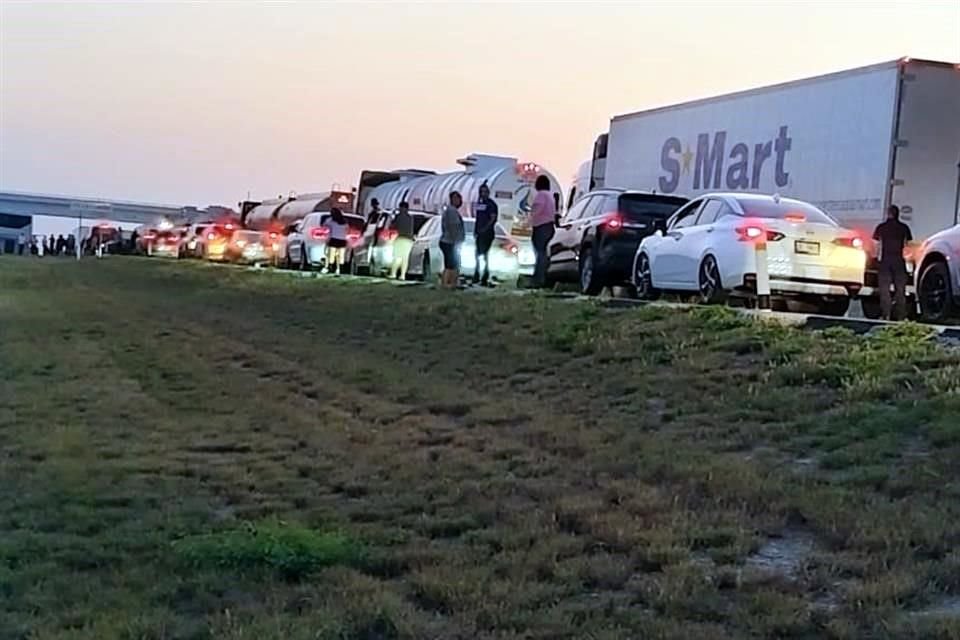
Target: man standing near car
[[893, 237], [484, 231], [403, 243]]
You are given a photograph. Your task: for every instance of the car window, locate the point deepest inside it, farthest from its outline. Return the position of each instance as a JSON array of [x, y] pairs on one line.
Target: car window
[[687, 216], [427, 229], [646, 207], [595, 207], [577, 211], [793, 210], [709, 212]]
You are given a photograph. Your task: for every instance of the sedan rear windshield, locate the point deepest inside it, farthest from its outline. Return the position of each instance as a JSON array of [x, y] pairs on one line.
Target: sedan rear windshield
[[642, 207], [785, 210]]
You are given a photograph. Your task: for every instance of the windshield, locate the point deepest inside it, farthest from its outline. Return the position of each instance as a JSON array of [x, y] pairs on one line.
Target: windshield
[[641, 207], [785, 210]]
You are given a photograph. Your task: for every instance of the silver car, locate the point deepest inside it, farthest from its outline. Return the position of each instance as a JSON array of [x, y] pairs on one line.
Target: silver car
[[937, 276], [426, 260], [306, 241]]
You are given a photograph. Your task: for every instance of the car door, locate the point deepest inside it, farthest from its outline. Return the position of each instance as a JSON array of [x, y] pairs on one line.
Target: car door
[[693, 244], [561, 247], [293, 242], [421, 244], [666, 262]]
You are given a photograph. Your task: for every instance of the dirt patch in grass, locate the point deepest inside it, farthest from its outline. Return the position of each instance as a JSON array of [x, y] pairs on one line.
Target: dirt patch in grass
[[464, 466]]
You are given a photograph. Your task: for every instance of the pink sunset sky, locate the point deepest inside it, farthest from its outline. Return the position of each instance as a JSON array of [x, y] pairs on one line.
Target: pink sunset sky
[[201, 103]]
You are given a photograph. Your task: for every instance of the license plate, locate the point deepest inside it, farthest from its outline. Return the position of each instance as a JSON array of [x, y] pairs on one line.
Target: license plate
[[807, 248]]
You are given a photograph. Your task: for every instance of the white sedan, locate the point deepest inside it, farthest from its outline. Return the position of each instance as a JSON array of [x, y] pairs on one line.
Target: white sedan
[[710, 247], [508, 260]]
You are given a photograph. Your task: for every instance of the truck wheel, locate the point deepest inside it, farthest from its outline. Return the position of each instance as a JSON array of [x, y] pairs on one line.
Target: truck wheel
[[836, 307], [935, 293], [871, 308], [591, 283]]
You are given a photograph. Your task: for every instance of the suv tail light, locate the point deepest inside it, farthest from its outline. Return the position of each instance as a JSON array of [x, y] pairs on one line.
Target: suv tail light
[[319, 233], [613, 222], [853, 242], [753, 233]]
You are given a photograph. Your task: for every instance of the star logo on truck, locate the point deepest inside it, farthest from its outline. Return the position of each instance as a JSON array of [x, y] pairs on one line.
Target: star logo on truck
[[686, 157]]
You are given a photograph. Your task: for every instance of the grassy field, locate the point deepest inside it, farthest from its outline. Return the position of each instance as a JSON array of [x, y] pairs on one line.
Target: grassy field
[[198, 452]]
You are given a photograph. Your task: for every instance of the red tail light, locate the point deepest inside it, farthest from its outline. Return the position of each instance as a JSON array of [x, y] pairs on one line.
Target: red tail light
[[853, 242], [753, 233], [388, 235], [613, 222], [228, 226], [148, 236], [319, 233], [795, 217]]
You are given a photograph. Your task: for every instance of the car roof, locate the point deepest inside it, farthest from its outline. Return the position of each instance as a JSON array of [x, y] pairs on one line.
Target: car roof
[[616, 191], [756, 197]]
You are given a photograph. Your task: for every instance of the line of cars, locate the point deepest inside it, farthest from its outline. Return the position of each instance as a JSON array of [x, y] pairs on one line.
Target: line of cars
[[649, 243], [653, 243], [370, 246]]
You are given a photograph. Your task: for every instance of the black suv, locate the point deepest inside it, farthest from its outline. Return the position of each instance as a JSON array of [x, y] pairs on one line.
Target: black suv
[[597, 239]]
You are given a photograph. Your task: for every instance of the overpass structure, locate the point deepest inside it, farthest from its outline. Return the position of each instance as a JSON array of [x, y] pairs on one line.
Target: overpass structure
[[41, 214]]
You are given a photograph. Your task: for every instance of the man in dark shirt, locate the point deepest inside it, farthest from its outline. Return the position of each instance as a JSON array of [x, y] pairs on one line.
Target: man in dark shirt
[[484, 231], [893, 237]]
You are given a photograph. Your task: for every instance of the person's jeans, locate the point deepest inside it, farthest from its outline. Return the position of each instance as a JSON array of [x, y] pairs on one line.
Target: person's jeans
[[483, 244], [895, 274], [542, 234]]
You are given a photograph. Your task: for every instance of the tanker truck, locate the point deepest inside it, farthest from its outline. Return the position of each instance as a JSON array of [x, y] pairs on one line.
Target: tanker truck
[[511, 185], [280, 213]]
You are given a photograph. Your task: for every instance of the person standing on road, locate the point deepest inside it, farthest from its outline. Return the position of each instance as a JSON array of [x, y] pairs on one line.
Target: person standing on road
[[543, 220], [61, 244], [893, 237], [451, 238], [21, 243], [403, 243], [484, 232], [337, 240]]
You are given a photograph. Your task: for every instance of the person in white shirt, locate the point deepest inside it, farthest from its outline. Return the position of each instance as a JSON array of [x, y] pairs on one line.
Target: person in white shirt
[[337, 240]]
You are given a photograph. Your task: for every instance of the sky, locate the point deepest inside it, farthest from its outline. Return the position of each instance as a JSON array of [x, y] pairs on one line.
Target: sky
[[204, 102]]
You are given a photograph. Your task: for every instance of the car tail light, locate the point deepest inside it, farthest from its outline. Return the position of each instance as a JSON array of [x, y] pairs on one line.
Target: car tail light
[[795, 217], [388, 235], [753, 233], [854, 242], [228, 227], [319, 233], [613, 222]]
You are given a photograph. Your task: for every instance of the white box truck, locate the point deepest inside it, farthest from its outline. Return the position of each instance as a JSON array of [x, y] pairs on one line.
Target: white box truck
[[850, 142]]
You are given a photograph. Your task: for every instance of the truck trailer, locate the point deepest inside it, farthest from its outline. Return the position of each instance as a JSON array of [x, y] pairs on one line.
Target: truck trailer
[[850, 143]]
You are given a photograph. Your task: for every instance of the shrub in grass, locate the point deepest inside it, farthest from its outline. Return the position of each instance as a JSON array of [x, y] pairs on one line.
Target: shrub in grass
[[292, 550]]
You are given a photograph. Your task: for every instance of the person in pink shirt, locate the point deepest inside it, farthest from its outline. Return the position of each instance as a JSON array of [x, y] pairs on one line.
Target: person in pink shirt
[[543, 220]]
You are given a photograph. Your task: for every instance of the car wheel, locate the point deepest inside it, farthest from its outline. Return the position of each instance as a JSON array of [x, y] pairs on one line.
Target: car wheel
[[590, 282], [935, 293], [709, 284], [642, 280], [836, 307]]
